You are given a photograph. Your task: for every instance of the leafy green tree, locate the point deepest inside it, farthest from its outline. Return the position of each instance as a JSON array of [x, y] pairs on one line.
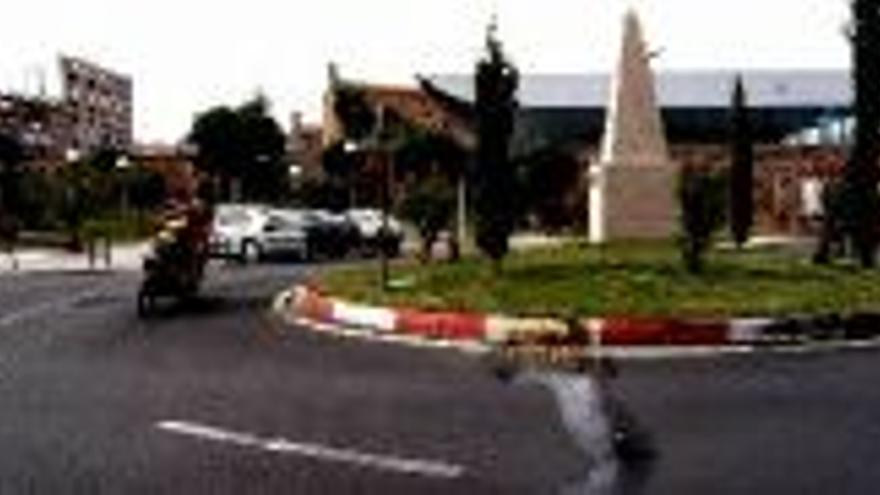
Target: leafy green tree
[[430, 165], [104, 179], [371, 135], [341, 169], [702, 201], [105, 160], [215, 133], [79, 198], [343, 166], [264, 173], [322, 193], [426, 163], [430, 206], [421, 153], [741, 167], [354, 112], [495, 199], [40, 198], [146, 188], [12, 155], [549, 180], [243, 149]]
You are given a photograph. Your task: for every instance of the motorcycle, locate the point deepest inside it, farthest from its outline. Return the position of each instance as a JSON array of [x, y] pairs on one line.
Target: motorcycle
[[173, 269]]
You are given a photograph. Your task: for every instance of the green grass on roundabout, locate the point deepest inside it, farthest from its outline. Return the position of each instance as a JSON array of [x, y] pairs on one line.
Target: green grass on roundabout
[[633, 279]]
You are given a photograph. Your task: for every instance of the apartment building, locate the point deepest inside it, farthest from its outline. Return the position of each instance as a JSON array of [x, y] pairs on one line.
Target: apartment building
[[42, 125], [304, 146], [100, 104]]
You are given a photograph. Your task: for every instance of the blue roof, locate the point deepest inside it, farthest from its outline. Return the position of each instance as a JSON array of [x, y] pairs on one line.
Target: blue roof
[[678, 89]]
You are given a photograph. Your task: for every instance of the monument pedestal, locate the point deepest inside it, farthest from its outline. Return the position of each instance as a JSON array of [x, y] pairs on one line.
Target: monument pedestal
[[633, 202], [632, 187]]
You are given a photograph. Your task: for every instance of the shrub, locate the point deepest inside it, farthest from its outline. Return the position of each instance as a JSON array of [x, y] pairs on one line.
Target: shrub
[[430, 206], [703, 204]]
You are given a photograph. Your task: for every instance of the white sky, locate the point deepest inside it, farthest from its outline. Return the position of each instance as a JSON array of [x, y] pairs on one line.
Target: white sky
[[186, 55]]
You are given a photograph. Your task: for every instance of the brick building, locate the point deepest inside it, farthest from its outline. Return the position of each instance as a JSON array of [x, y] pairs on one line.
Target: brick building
[[304, 146], [789, 180], [100, 104], [41, 125], [93, 111], [416, 104], [567, 112], [173, 163]]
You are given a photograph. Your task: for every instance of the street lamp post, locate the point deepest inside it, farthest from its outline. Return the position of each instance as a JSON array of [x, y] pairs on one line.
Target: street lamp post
[[374, 146], [351, 148], [122, 165], [71, 200], [385, 199], [385, 236]]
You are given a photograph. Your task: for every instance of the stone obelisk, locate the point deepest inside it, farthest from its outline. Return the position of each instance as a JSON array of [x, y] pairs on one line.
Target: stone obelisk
[[632, 186]]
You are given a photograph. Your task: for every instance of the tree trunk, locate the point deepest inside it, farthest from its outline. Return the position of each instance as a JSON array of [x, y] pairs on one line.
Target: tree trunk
[[497, 267], [427, 247], [461, 216], [822, 256], [693, 257], [454, 250]]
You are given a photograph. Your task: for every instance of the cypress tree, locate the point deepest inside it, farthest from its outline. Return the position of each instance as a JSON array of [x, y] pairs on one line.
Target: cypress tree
[[494, 175], [861, 202], [741, 167]]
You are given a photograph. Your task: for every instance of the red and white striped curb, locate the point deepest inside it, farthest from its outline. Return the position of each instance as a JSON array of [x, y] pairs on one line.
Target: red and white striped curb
[[301, 304]]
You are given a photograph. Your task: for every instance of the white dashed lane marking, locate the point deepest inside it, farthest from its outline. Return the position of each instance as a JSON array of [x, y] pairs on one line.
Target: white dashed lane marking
[[429, 468]]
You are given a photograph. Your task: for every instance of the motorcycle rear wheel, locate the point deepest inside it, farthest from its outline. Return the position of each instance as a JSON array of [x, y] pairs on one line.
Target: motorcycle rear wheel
[[146, 303]]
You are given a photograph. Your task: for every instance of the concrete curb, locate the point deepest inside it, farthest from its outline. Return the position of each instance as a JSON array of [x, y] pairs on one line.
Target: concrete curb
[[124, 257], [302, 303]]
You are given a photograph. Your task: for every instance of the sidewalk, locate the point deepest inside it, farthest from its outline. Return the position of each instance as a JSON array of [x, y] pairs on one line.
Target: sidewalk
[[520, 241], [124, 257]]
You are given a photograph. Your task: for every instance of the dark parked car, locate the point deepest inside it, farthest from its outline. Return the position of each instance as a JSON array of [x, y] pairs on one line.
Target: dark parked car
[[327, 235], [332, 235]]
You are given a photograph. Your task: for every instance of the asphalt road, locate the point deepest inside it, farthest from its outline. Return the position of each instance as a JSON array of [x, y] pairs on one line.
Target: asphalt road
[[89, 391], [779, 424], [218, 397]]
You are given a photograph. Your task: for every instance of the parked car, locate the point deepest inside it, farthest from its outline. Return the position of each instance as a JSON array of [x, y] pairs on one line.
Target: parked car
[[369, 224], [327, 235], [253, 233], [332, 235]]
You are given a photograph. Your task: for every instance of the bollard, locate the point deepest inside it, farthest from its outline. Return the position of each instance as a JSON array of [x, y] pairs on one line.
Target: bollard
[[108, 250], [594, 329], [90, 251]]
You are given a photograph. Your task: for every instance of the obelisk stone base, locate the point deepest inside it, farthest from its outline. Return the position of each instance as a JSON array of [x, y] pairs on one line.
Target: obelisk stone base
[[633, 202]]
